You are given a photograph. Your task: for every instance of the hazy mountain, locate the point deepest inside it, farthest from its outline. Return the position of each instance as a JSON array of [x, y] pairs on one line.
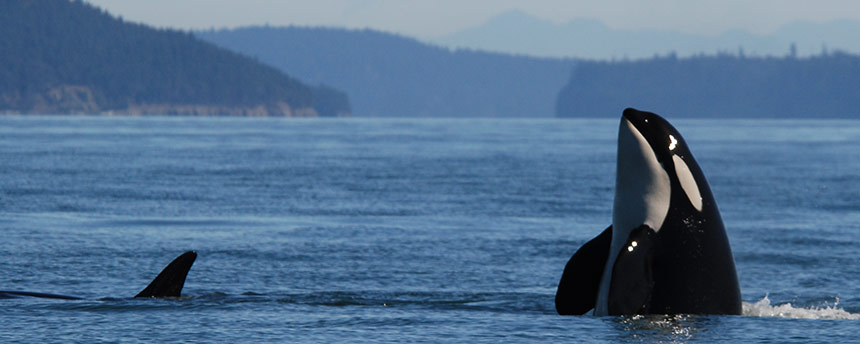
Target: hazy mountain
[[62, 56], [391, 75], [520, 33], [823, 86]]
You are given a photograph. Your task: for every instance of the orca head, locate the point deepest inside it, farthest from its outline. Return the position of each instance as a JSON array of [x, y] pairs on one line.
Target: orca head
[[668, 148], [652, 160]]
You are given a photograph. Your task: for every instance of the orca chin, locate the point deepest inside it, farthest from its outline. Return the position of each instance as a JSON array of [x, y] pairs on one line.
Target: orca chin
[[666, 251], [168, 283]]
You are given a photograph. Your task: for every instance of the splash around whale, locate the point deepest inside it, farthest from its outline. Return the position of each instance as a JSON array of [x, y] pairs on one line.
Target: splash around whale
[[168, 283], [666, 251]]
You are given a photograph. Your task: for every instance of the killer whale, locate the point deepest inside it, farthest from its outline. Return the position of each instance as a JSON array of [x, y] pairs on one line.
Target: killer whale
[[168, 283], [666, 251]]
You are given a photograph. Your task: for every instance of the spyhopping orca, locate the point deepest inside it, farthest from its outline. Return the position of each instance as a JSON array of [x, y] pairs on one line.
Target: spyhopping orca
[[168, 283], [666, 251]]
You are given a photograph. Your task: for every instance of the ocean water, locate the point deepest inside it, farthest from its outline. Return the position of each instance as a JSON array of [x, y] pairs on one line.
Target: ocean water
[[385, 230]]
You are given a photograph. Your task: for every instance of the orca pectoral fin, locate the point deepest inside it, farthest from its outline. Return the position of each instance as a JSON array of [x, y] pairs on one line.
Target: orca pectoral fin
[[169, 282], [632, 275], [577, 290]]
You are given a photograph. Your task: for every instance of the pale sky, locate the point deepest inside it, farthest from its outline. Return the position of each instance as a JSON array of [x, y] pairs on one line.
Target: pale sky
[[433, 18]]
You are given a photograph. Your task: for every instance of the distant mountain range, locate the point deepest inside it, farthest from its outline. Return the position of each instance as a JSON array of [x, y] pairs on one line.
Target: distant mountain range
[[61, 56], [517, 32], [392, 75]]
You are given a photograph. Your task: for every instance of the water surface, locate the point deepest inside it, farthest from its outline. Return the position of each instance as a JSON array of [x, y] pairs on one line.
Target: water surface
[[398, 230]]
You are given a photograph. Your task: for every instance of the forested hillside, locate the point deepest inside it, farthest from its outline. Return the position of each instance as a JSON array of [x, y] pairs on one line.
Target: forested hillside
[[390, 75], [827, 85], [61, 56]]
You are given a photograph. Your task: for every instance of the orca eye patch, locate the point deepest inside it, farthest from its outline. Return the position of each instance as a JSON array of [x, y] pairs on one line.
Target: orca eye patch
[[688, 182]]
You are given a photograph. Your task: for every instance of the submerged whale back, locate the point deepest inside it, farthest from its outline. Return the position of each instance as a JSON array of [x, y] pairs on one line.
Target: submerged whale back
[[9, 294]]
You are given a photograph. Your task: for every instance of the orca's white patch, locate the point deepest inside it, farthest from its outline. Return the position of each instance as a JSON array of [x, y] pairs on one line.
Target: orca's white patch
[[688, 183], [642, 193]]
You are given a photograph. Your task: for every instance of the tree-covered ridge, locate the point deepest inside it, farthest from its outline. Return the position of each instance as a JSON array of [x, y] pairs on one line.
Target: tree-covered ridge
[[67, 56], [392, 75], [827, 85]]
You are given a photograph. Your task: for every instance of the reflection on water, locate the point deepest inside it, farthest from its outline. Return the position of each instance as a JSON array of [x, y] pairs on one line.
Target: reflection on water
[[668, 328]]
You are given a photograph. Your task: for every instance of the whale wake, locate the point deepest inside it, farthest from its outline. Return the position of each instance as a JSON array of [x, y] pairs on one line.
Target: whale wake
[[763, 308]]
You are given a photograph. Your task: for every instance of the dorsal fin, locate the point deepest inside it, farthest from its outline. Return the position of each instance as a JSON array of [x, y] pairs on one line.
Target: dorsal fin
[[170, 281]]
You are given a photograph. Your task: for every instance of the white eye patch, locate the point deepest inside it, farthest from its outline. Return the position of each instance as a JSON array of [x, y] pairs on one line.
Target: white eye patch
[[688, 183]]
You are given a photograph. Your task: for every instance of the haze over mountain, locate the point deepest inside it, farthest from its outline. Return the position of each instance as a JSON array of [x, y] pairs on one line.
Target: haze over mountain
[[391, 75], [64, 56], [520, 33]]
